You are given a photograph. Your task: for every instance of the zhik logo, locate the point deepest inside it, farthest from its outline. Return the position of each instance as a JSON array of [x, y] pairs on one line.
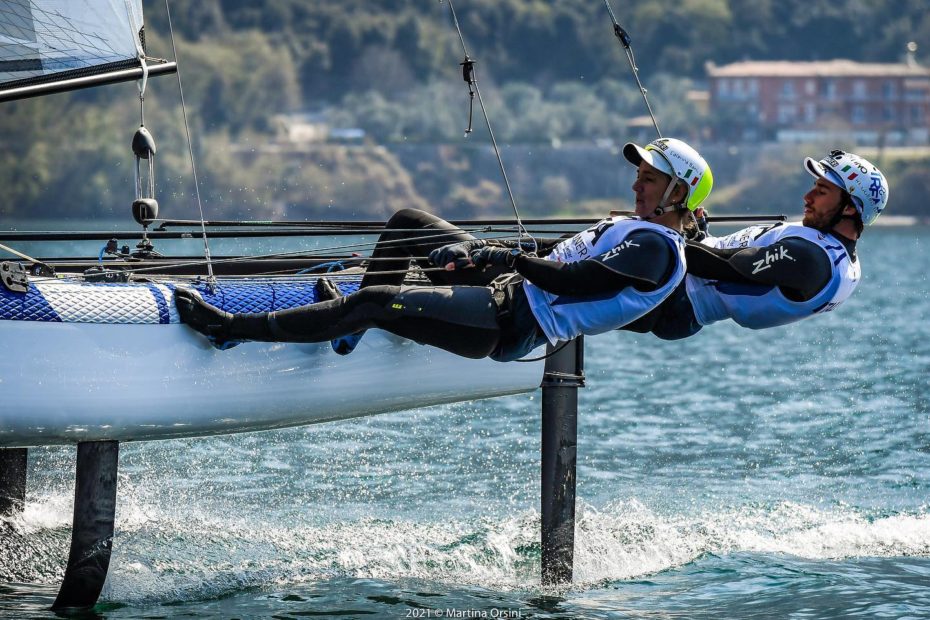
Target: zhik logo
[[770, 257], [619, 248]]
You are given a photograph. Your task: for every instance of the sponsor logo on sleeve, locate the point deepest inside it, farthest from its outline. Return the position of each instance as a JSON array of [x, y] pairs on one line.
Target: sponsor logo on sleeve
[[619, 248], [771, 258]]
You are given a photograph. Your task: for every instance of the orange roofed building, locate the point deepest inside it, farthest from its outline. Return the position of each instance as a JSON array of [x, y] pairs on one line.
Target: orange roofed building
[[875, 103]]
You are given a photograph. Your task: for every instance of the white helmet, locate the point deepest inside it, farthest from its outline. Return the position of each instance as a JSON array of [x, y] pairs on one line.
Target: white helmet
[[678, 160], [858, 177]]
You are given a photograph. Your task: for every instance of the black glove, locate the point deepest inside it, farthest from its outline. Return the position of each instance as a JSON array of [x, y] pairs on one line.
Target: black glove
[[490, 256], [700, 233], [456, 253]]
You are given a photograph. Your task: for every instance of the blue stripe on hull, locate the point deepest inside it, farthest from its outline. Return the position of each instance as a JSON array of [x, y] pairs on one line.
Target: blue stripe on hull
[[29, 306], [164, 317], [231, 296]]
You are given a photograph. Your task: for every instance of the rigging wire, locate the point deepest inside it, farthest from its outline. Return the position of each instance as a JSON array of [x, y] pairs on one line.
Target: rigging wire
[[18, 254], [468, 73], [323, 253], [626, 42], [328, 252], [190, 147]]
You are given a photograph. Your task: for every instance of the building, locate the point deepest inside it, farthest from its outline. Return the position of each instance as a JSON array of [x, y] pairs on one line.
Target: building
[[874, 103], [303, 128]]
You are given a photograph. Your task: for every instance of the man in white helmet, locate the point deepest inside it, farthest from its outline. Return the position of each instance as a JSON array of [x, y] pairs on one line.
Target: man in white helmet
[[598, 280], [765, 276]]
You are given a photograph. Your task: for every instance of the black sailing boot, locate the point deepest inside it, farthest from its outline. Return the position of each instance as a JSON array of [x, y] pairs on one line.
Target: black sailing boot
[[326, 291], [222, 329]]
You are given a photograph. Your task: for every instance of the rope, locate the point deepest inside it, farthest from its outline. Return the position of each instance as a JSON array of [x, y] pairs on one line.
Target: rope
[[20, 255], [190, 147], [330, 252], [626, 42], [546, 356], [468, 71], [325, 253]]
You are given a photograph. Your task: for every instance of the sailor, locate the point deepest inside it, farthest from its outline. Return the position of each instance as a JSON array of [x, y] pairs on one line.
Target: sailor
[[766, 276], [598, 280]]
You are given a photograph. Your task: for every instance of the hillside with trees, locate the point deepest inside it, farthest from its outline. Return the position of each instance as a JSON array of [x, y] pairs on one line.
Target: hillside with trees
[[554, 79]]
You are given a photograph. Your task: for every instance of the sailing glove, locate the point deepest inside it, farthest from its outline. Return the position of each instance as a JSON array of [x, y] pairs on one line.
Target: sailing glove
[[699, 231], [490, 256], [456, 253]]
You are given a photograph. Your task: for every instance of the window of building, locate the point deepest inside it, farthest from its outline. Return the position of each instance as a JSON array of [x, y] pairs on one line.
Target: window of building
[[917, 114], [829, 89], [787, 89], [753, 87], [723, 87], [810, 87], [810, 113], [917, 90], [859, 89], [890, 89], [786, 113], [888, 113], [858, 114]]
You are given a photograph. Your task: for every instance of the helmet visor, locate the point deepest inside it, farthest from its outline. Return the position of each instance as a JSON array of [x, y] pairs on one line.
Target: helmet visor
[[636, 155]]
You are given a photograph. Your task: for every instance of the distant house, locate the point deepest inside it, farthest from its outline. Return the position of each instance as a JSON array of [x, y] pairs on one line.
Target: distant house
[[302, 128], [875, 103], [313, 127]]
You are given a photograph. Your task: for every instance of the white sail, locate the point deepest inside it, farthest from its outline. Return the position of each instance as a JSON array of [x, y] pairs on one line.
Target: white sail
[[43, 39]]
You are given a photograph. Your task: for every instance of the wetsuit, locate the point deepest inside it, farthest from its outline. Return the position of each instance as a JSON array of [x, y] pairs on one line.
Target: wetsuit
[[761, 276], [494, 320]]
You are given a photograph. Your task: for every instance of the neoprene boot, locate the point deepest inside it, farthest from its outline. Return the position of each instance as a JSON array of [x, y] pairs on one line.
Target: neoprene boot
[[221, 328]]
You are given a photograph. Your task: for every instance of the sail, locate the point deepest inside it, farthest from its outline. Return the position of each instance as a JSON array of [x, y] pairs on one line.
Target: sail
[[48, 41]]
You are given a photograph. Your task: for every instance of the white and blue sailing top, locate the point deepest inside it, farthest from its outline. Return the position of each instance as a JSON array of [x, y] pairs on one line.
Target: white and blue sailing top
[[758, 306], [563, 317]]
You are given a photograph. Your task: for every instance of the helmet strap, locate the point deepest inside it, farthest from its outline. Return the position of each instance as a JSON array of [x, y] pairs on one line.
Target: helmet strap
[[664, 207], [663, 210], [839, 215]]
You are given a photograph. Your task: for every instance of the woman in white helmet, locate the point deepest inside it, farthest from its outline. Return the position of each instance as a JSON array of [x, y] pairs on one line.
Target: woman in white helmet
[[598, 280], [765, 276]]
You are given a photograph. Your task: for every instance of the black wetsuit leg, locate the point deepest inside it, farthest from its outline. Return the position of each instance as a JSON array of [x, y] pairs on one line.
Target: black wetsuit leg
[[458, 319], [413, 234]]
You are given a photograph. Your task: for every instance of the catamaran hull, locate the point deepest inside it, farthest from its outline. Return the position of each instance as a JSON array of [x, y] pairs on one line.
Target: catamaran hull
[[89, 361], [63, 383]]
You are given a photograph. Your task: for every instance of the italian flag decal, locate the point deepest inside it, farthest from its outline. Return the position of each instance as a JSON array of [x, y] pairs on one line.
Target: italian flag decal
[[852, 176]]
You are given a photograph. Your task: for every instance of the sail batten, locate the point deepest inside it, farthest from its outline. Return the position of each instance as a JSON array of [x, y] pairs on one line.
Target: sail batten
[[44, 41]]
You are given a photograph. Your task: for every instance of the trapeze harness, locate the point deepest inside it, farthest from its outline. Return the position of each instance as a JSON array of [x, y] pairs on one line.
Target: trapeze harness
[[761, 276], [563, 317], [758, 306]]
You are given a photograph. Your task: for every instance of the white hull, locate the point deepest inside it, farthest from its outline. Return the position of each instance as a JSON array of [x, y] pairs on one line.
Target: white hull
[[62, 383]]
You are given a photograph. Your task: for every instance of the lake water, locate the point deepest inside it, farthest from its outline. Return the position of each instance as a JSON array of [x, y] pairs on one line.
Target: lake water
[[737, 474]]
